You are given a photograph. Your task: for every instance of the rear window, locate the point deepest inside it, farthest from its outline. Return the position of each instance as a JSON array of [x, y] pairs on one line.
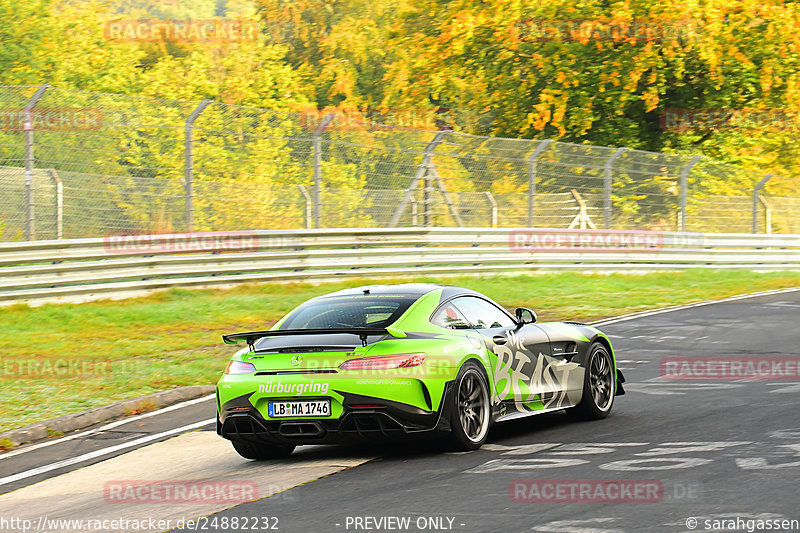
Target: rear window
[[355, 311]]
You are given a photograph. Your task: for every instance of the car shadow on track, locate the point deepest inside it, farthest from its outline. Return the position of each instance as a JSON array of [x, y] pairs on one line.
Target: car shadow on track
[[530, 428]]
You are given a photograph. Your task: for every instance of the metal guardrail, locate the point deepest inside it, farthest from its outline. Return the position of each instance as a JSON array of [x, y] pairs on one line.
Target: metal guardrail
[[82, 269]]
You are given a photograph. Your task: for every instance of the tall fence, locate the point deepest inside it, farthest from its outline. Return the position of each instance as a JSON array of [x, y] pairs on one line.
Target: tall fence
[[78, 164]]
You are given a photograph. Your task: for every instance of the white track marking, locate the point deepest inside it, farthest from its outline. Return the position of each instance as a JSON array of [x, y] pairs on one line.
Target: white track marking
[[644, 314], [106, 427], [99, 453], [794, 388]]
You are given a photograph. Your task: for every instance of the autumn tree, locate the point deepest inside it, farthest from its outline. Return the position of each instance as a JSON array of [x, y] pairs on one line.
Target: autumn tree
[[603, 73]]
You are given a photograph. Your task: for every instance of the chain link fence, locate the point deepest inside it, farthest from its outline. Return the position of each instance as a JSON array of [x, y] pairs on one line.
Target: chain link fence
[[81, 164]]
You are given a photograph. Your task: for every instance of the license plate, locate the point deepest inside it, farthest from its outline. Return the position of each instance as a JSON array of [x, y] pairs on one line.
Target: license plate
[[316, 408]]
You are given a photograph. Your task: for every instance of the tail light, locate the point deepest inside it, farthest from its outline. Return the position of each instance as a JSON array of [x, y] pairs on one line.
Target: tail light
[[384, 362], [239, 367]]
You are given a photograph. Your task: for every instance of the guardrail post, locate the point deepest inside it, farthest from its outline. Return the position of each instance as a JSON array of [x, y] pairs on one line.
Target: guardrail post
[[532, 164], [309, 204], [326, 120], [756, 191], [30, 215], [188, 164], [59, 203], [493, 205], [684, 185], [608, 183]]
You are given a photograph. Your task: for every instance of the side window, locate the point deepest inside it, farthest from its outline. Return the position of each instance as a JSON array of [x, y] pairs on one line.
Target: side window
[[482, 314], [450, 317]]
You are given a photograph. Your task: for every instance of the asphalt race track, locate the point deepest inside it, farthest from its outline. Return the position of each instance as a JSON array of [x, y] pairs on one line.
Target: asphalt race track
[[710, 455]]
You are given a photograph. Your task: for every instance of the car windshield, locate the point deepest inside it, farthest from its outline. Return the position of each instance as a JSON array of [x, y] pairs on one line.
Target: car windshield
[[354, 311]]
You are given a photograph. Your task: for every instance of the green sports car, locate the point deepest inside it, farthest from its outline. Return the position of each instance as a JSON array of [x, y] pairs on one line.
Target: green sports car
[[388, 361]]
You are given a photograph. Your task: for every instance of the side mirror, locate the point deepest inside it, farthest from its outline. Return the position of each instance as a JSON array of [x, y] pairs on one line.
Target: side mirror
[[525, 315]]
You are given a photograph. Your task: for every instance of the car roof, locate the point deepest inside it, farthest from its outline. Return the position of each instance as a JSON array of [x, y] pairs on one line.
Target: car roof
[[404, 289]]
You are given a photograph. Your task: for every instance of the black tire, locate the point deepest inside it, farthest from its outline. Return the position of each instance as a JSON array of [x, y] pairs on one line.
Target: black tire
[[599, 385], [260, 452], [472, 409]]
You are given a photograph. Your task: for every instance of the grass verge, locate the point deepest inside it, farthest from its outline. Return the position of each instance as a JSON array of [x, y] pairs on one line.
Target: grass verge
[[61, 359]]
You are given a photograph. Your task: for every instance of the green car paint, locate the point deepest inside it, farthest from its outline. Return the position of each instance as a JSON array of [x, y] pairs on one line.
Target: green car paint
[[528, 368]]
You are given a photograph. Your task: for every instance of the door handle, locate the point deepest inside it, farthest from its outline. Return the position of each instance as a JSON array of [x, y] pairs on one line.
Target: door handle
[[499, 339]]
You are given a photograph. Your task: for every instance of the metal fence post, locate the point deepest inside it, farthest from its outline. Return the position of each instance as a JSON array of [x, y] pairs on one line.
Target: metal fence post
[[426, 196], [532, 160], [767, 214], [607, 202], [59, 203], [188, 166], [327, 119], [684, 179], [582, 218], [422, 172], [309, 204], [30, 216], [493, 206], [756, 190]]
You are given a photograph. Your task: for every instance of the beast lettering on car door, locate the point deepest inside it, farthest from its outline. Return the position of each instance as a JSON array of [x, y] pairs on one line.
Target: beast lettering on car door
[[536, 379], [526, 375]]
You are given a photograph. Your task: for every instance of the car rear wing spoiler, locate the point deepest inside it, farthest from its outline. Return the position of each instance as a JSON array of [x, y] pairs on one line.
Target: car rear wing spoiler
[[252, 336]]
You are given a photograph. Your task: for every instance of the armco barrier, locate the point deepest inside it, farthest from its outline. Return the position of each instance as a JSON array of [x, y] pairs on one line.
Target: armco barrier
[[117, 266]]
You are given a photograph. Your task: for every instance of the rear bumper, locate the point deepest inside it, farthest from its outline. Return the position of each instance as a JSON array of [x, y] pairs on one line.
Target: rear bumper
[[390, 421]]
